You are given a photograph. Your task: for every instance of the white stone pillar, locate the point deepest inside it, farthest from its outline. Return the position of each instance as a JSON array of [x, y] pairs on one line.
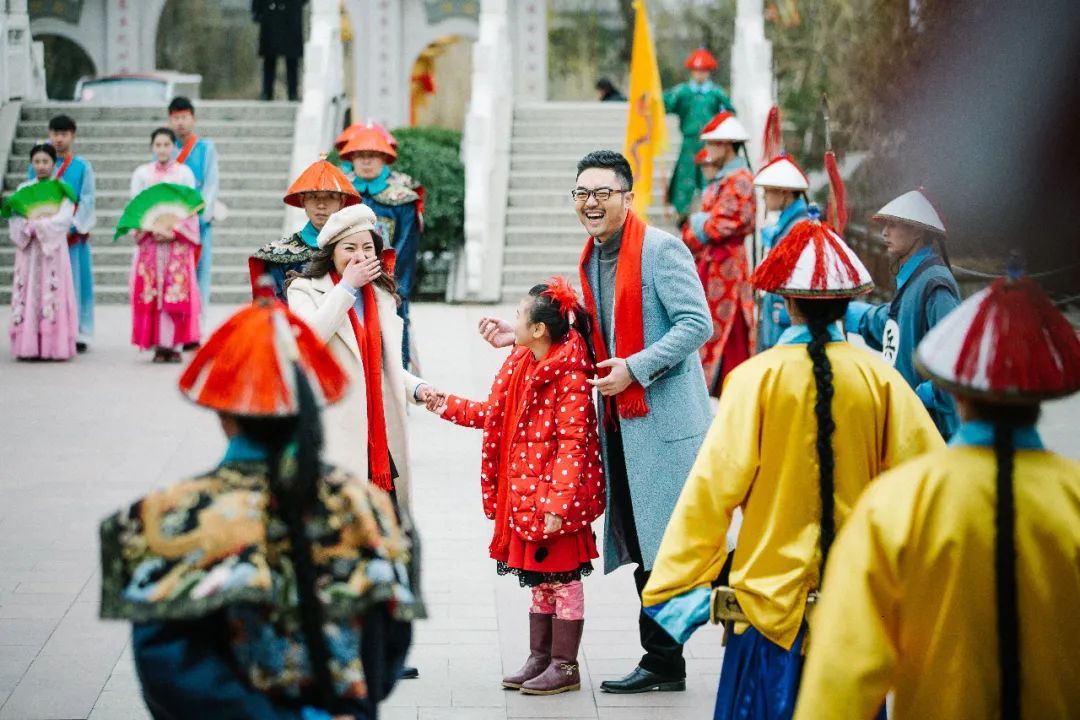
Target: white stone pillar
[[753, 92], [751, 72], [381, 87], [485, 152]]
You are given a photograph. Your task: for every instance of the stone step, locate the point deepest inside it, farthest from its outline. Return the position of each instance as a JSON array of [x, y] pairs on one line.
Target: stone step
[[235, 199], [276, 164], [141, 129], [567, 145], [545, 237], [120, 255], [122, 181], [225, 236], [208, 110], [538, 256], [553, 163], [227, 146]]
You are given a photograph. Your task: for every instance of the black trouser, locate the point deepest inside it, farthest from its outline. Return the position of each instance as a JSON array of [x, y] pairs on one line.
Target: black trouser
[[663, 655], [292, 76]]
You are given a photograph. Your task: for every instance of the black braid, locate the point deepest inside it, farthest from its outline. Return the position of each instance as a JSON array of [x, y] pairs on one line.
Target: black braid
[[1008, 619], [294, 493], [819, 315]]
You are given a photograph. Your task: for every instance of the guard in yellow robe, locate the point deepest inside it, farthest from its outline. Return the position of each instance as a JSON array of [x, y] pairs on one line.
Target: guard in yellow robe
[[800, 431], [955, 582]]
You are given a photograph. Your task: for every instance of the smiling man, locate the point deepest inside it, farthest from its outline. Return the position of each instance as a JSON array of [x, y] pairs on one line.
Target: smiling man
[[650, 318]]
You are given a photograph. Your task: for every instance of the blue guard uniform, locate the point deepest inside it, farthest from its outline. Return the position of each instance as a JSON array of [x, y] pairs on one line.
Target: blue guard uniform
[[925, 293], [398, 221], [203, 161], [774, 318]]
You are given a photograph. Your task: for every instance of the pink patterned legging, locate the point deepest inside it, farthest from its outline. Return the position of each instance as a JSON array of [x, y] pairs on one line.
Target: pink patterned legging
[[566, 601]]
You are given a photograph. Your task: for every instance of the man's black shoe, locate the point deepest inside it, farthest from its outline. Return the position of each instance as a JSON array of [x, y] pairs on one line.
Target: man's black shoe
[[639, 681], [408, 672]]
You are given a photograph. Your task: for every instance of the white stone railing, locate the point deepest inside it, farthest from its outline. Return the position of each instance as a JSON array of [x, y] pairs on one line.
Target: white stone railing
[[320, 115], [22, 61], [485, 152]]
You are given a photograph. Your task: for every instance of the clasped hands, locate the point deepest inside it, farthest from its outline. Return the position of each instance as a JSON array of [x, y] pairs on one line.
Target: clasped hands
[[500, 334]]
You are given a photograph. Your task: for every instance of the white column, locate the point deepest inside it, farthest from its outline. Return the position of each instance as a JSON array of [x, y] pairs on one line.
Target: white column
[[752, 86], [530, 46], [751, 72], [381, 86], [486, 154]]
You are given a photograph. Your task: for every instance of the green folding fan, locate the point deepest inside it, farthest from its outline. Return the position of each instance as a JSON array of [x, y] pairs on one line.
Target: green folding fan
[[159, 208], [38, 200]]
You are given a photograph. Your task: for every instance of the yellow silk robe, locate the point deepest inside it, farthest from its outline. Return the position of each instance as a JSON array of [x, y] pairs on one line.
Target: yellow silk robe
[[909, 602], [760, 455]]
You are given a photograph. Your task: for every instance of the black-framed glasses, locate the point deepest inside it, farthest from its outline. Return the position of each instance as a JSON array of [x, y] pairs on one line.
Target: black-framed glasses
[[602, 194]]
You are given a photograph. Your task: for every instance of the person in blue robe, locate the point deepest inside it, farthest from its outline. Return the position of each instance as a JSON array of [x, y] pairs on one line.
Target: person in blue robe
[[397, 211], [785, 187], [926, 292], [201, 156]]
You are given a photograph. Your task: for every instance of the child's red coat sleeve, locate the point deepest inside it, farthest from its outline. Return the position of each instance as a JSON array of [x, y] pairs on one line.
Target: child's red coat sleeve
[[465, 412], [572, 405]]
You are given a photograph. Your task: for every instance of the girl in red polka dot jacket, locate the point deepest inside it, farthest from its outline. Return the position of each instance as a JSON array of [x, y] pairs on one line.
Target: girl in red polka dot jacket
[[541, 476]]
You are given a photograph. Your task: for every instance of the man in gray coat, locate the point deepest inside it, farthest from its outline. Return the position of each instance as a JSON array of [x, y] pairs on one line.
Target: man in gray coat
[[655, 405]]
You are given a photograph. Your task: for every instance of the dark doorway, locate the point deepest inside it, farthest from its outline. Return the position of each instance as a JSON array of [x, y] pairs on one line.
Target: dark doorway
[[65, 63]]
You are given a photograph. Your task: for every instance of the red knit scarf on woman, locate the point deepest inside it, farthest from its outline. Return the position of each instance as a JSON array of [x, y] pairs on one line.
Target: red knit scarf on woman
[[369, 340], [513, 407], [629, 320]]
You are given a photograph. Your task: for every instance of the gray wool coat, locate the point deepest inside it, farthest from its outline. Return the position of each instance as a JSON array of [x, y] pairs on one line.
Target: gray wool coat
[[661, 446]]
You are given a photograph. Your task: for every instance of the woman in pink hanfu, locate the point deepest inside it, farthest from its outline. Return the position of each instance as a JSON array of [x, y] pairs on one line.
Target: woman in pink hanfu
[[44, 319], [164, 294]]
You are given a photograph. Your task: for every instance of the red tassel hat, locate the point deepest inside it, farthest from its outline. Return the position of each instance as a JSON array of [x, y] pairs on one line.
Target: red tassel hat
[[247, 367], [321, 176], [701, 59], [371, 140], [812, 261], [1006, 343], [346, 135]]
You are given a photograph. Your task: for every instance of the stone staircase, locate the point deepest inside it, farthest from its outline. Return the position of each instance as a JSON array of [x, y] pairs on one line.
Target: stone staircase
[[254, 142], [543, 235]]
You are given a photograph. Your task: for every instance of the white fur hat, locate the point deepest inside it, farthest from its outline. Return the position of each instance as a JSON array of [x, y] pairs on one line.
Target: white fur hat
[[724, 126], [346, 221]]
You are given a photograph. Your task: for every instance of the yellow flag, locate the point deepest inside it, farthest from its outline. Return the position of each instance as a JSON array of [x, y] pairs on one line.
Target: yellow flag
[[646, 127]]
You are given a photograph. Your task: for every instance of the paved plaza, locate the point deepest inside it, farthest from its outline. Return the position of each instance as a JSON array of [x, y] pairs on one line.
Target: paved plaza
[[82, 438]]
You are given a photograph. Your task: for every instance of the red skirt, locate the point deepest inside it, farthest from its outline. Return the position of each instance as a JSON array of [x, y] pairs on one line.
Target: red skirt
[[563, 558]]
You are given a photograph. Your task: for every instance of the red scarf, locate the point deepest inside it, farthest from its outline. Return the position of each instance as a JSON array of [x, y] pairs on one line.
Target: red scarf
[[513, 407], [188, 147], [64, 166], [629, 320], [369, 340]]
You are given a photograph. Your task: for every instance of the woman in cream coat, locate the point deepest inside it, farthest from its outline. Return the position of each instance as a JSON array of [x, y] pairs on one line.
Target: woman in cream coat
[[351, 248]]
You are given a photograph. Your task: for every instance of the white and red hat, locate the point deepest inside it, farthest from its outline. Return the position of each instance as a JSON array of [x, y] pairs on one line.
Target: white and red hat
[[913, 208], [813, 262], [783, 174], [701, 59], [724, 127], [1006, 343]]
